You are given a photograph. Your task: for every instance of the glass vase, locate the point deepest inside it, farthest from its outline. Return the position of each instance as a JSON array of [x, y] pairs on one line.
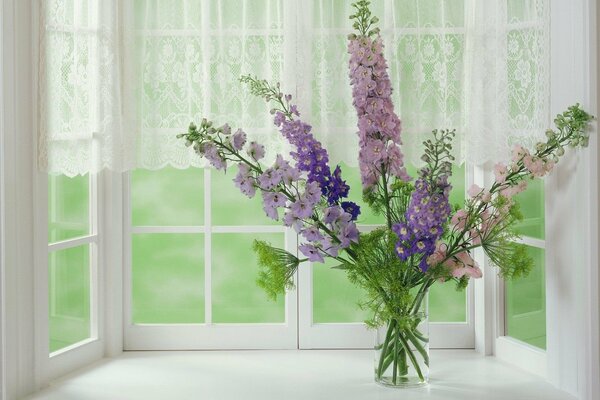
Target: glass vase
[[402, 347]]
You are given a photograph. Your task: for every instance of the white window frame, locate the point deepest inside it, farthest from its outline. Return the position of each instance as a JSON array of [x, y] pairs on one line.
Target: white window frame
[[52, 365], [49, 366]]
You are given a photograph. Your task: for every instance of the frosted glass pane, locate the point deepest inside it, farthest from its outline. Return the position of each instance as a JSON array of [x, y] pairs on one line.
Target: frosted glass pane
[[334, 14], [335, 299], [533, 209], [231, 207], [430, 13], [69, 296], [68, 207], [235, 296], [526, 304], [168, 278], [167, 197], [257, 14]]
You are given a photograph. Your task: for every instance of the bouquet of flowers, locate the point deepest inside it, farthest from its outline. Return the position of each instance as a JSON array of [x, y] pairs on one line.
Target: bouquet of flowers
[[424, 239]]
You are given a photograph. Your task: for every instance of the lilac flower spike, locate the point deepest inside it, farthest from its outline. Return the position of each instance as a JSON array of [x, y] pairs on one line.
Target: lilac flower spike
[[379, 126]]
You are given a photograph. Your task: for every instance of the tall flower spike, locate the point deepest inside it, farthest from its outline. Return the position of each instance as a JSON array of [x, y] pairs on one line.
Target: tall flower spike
[[379, 126]]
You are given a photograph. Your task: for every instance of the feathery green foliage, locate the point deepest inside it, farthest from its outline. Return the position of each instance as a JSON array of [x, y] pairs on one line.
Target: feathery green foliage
[[277, 268]]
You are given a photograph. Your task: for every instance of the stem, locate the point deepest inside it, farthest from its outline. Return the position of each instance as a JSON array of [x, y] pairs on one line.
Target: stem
[[411, 337], [395, 369], [386, 197], [412, 357], [384, 349]]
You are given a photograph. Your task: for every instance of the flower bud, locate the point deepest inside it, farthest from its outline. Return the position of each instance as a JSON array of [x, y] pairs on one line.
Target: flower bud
[[540, 146], [560, 151]]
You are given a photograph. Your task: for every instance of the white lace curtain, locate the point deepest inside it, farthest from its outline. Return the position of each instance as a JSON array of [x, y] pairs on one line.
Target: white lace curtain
[[119, 79]]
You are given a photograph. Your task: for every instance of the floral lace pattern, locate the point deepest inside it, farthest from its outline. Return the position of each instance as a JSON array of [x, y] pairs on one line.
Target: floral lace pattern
[[112, 98]]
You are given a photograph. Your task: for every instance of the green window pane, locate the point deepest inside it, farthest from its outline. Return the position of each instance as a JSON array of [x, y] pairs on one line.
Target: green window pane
[[458, 181], [335, 299], [235, 296], [168, 278], [167, 197], [446, 304], [69, 296], [526, 304], [68, 207], [231, 207], [533, 209]]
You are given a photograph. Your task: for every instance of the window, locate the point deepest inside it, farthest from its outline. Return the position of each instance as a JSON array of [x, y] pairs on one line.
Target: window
[[193, 270], [525, 298], [72, 249]]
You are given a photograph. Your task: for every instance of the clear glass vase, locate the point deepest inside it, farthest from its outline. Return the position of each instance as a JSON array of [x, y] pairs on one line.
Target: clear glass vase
[[402, 347]]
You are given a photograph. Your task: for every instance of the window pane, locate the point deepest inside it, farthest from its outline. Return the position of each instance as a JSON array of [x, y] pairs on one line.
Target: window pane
[[526, 304], [532, 207], [69, 296], [167, 197], [231, 207], [335, 299], [168, 278], [446, 304], [352, 177], [235, 296], [68, 207]]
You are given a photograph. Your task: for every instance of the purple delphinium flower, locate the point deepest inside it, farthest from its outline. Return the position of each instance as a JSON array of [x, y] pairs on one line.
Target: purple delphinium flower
[[427, 212], [211, 153], [271, 202], [238, 140], [256, 151], [379, 126], [312, 252], [312, 234], [301, 208], [269, 179], [310, 156], [244, 180], [351, 208], [291, 220], [330, 248]]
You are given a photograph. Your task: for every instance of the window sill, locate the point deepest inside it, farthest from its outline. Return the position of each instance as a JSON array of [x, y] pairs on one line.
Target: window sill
[[291, 374]]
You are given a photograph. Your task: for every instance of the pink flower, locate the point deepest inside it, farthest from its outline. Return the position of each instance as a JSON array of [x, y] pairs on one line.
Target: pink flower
[[511, 191], [465, 265], [474, 191], [500, 172], [535, 165], [459, 219], [438, 255], [519, 152]]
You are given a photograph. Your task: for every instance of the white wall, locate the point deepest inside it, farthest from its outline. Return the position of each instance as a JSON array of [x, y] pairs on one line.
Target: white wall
[[17, 169]]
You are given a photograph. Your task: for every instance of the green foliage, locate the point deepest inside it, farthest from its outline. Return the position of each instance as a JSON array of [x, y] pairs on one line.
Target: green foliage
[[398, 197], [363, 19], [388, 281], [511, 258], [277, 269], [438, 156]]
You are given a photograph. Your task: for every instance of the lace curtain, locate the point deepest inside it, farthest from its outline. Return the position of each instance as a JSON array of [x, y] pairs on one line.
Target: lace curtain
[[119, 79]]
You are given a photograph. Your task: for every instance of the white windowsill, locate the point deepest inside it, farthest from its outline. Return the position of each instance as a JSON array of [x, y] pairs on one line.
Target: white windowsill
[[290, 375]]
